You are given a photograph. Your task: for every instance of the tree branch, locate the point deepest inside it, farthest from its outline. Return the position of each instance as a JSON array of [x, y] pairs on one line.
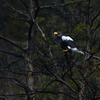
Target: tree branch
[[11, 42], [22, 19], [12, 63], [10, 53], [24, 4], [18, 11], [61, 5], [92, 21], [58, 78], [44, 37], [19, 83], [39, 91]]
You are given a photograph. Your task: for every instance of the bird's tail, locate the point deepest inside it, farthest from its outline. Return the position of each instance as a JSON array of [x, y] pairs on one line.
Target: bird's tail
[[81, 52]]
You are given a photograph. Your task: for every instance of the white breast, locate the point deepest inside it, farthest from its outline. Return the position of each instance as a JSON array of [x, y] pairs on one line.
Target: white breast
[[66, 38]]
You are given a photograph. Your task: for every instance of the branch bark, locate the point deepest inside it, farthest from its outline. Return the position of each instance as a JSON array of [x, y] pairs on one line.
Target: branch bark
[[11, 42], [31, 81]]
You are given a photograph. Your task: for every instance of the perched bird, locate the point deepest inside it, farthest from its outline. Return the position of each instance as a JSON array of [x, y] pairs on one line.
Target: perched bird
[[67, 43]]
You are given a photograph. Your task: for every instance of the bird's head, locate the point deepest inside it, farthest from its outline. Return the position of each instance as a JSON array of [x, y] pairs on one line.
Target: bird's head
[[59, 34]]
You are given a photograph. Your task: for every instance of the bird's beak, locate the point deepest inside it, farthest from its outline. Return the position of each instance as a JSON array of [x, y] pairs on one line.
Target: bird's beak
[[55, 33]]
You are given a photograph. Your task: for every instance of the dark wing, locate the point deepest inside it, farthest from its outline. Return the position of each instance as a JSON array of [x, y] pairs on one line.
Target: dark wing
[[72, 44], [65, 44], [68, 43]]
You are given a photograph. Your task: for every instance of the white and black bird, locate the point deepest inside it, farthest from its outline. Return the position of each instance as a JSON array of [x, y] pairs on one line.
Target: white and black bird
[[67, 43]]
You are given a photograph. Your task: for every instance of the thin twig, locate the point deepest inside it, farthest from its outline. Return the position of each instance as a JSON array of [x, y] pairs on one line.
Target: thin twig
[[87, 82], [22, 19], [96, 57], [39, 91], [19, 83], [11, 42], [92, 21], [44, 37], [10, 53], [12, 63], [58, 78], [61, 5], [24, 4], [18, 11]]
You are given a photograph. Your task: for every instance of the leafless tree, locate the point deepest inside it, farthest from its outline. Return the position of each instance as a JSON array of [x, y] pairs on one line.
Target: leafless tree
[[71, 75]]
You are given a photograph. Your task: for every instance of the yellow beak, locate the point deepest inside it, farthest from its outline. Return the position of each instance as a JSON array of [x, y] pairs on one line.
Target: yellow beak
[[55, 33]]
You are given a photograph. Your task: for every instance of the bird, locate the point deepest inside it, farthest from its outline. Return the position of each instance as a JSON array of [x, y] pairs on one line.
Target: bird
[[67, 43]]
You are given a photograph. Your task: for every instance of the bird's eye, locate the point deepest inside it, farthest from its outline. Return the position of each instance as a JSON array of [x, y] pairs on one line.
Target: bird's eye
[[55, 33]]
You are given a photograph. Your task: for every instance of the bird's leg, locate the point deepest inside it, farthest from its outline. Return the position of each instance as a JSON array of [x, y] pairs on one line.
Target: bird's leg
[[65, 50]]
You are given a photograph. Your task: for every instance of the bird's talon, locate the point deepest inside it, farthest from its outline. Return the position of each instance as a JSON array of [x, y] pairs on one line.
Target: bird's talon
[[65, 50], [67, 43]]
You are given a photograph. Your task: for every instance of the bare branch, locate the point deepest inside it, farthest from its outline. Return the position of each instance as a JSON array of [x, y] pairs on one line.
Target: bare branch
[[10, 53], [92, 21], [24, 4], [44, 37], [61, 5], [96, 27], [37, 91], [22, 19], [93, 56], [62, 81], [96, 57], [37, 7], [18, 11], [97, 98], [49, 84], [97, 65], [12, 63], [12, 42], [55, 93], [87, 82], [58, 78], [19, 83]]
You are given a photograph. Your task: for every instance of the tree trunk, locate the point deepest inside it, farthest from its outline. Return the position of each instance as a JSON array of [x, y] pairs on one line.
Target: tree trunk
[[31, 81], [61, 89], [87, 56]]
